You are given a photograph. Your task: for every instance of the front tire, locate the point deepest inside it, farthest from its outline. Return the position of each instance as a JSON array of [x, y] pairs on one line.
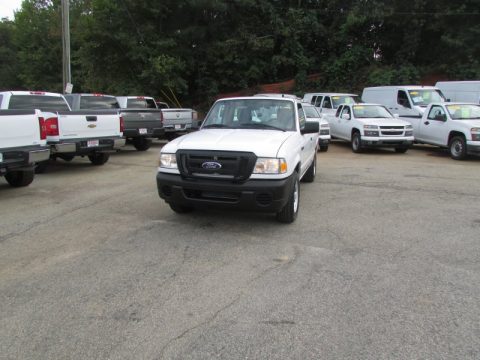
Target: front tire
[[458, 148], [357, 143], [98, 159], [323, 148], [401, 150], [20, 178], [142, 144], [290, 211], [180, 209]]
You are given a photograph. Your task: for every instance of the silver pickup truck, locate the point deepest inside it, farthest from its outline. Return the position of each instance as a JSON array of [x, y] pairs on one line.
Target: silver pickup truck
[[178, 121], [142, 120]]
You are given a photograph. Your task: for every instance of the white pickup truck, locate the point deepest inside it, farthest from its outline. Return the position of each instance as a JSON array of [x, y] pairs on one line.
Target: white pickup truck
[[370, 125], [455, 126], [250, 154], [70, 133], [22, 144]]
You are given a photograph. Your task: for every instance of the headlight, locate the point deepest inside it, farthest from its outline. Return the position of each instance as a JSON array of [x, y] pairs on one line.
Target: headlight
[[409, 133], [370, 127], [475, 134], [409, 127], [325, 126], [168, 161], [270, 166]]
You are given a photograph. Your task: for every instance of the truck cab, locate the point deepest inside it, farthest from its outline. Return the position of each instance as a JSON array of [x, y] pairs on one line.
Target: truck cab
[[328, 103], [406, 101], [250, 154]]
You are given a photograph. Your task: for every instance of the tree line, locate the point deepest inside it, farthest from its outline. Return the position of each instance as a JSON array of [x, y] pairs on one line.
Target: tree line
[[200, 48]]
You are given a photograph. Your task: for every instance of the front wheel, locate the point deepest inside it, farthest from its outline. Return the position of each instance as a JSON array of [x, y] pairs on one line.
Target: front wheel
[[401, 150], [20, 178], [458, 148], [142, 144], [290, 211], [180, 209], [356, 143], [98, 158], [323, 148]]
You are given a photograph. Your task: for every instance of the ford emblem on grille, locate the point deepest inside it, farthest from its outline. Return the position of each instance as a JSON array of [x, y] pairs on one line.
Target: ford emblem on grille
[[211, 165]]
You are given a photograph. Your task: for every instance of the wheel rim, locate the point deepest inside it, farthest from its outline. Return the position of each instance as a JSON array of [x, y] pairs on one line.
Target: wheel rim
[[456, 148], [295, 197]]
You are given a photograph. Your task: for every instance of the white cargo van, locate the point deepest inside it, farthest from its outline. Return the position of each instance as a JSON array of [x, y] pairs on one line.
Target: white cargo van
[[461, 91], [406, 101]]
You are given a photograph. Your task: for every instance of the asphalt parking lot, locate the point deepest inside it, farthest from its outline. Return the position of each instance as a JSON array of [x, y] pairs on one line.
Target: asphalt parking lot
[[383, 262]]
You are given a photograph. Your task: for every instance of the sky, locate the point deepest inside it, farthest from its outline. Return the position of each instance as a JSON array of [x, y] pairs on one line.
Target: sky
[[7, 7]]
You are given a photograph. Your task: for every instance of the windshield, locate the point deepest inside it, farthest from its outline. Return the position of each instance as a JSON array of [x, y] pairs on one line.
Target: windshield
[[343, 99], [266, 114], [311, 112], [98, 102], [464, 112], [41, 102], [426, 97], [140, 103], [370, 111]]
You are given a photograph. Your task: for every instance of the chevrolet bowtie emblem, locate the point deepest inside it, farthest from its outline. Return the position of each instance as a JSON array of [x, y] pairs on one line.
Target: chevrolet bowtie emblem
[[91, 126]]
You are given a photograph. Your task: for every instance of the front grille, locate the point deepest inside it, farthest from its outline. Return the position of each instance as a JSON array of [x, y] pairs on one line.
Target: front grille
[[225, 165], [220, 196], [391, 127], [324, 132], [392, 133]]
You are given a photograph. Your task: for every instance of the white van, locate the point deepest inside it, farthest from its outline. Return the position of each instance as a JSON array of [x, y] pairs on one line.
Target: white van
[[406, 101], [328, 103], [461, 91]]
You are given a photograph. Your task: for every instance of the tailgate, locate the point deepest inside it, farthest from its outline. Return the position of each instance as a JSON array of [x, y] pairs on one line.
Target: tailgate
[[139, 118], [19, 128], [177, 116], [88, 124]]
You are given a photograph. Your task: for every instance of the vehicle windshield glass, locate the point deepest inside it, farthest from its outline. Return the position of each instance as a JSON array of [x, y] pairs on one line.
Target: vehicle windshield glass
[[426, 97], [464, 112], [40, 102], [98, 102], [370, 111], [141, 103], [311, 112], [252, 113], [343, 99]]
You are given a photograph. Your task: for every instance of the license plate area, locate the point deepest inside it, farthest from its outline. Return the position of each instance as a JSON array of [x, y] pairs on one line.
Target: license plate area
[[178, 127], [93, 143], [142, 131]]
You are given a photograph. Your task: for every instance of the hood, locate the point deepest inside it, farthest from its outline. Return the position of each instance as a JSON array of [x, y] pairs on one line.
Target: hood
[[263, 143], [384, 122]]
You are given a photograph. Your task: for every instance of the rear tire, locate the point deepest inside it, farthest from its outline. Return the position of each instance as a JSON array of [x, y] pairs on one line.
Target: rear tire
[[180, 209], [98, 158], [458, 148], [20, 178], [401, 150], [142, 144], [290, 211], [311, 172], [357, 143]]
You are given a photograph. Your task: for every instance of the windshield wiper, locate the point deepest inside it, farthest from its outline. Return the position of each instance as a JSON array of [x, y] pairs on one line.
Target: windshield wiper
[[265, 126], [216, 126]]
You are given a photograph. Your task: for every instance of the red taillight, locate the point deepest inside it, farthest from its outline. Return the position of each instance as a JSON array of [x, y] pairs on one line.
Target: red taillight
[[97, 94], [43, 128], [122, 124], [51, 125]]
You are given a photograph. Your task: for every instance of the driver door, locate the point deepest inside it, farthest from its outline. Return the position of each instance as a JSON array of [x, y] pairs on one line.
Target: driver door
[[344, 125], [434, 129]]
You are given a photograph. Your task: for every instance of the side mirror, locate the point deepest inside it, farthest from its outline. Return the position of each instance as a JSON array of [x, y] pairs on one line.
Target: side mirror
[[346, 116], [311, 127], [441, 117], [448, 100]]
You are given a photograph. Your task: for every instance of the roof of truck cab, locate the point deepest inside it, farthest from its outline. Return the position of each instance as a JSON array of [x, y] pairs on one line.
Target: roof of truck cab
[[262, 97], [31, 93], [403, 87], [92, 94], [135, 97], [329, 94]]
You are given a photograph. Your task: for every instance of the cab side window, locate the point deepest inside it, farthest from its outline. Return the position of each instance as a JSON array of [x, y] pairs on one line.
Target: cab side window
[[327, 103], [339, 110], [314, 98], [437, 113], [402, 99], [346, 110], [318, 101], [301, 117]]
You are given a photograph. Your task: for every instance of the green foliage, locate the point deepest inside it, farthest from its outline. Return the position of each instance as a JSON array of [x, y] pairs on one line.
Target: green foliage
[[200, 48]]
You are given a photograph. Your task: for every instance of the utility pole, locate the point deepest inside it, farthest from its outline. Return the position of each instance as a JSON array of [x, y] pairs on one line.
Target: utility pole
[[67, 75]]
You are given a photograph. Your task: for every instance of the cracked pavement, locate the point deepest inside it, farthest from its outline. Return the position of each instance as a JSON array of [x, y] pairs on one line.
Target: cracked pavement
[[383, 262]]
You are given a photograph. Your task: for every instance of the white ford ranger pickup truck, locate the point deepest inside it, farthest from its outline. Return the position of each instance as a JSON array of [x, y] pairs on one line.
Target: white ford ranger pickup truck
[[455, 126], [250, 154], [22, 144], [370, 125]]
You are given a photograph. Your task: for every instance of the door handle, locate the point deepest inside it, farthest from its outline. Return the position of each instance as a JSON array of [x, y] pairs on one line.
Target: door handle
[[303, 147], [427, 122]]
